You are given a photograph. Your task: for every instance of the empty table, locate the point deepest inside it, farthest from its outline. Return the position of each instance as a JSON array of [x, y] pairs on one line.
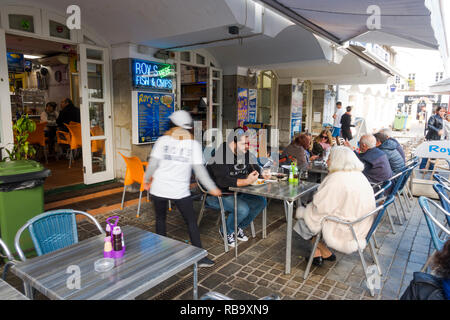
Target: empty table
[[276, 190], [149, 260], [7, 292]]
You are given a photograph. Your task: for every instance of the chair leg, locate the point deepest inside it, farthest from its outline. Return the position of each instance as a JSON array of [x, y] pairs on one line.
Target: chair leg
[[285, 209], [170, 205], [139, 205], [397, 212], [311, 257], [70, 158], [375, 240], [123, 197], [264, 223], [425, 266], [224, 225], [252, 226], [202, 208], [401, 206], [391, 222], [374, 255], [364, 265]]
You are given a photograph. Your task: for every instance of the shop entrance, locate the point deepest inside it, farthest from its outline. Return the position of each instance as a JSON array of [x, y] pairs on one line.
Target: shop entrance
[[44, 79]]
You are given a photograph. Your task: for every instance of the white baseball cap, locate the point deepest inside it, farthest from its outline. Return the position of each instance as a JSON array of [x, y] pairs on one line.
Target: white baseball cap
[[181, 119]]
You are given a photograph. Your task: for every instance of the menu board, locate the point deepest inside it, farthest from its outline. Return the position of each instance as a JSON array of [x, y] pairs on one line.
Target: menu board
[[151, 111], [252, 96], [242, 106], [296, 110]]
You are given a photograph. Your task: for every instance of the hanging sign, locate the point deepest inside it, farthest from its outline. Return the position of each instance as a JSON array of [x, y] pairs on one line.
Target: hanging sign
[[296, 110], [252, 94], [152, 75], [242, 106], [150, 115], [434, 149]]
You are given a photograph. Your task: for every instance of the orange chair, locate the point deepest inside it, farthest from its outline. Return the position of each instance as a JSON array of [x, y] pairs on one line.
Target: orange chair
[[38, 137], [75, 139], [134, 174]]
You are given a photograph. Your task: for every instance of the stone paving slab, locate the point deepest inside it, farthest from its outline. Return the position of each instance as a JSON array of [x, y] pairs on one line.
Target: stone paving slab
[[259, 269]]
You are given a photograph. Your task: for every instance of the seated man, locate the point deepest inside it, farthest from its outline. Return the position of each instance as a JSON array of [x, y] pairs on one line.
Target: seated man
[[234, 166], [389, 147], [376, 164], [388, 133]]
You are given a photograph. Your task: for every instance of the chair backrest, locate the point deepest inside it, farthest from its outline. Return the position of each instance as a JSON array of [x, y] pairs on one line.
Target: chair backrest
[[441, 180], [75, 135], [382, 188], [441, 190], [6, 250], [390, 199], [62, 137], [135, 170], [410, 169], [52, 230], [38, 135], [432, 222]]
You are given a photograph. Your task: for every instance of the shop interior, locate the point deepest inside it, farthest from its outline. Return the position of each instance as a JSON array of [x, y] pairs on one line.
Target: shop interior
[[42, 71], [194, 92]]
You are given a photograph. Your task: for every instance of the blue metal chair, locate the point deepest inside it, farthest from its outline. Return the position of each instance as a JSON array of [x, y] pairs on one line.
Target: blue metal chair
[[441, 180], [442, 190], [378, 215], [52, 230], [432, 222]]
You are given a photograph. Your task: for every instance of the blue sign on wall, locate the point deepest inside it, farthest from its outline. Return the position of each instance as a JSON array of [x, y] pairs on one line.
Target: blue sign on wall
[[152, 75], [15, 62]]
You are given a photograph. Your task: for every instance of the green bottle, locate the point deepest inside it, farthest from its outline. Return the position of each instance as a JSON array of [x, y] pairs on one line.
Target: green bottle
[[291, 174]]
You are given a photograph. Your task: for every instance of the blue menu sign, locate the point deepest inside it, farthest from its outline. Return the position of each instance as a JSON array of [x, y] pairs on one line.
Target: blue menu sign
[[152, 75], [153, 111]]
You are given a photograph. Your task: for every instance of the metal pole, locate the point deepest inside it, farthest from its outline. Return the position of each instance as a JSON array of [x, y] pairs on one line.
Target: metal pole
[[290, 206]]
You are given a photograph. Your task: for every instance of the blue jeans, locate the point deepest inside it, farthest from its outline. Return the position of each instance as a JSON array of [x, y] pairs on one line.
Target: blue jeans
[[249, 206]]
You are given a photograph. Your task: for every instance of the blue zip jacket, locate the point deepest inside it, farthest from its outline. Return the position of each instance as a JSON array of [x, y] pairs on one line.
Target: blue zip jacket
[[395, 158], [446, 287], [376, 165], [399, 148]]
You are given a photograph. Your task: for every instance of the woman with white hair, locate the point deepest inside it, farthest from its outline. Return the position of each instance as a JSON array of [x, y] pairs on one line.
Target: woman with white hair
[[345, 194]]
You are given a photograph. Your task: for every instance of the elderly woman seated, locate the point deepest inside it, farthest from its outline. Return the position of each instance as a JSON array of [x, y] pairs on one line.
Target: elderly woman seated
[[345, 194]]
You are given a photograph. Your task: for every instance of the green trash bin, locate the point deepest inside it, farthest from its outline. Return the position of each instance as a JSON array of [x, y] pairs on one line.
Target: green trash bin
[[21, 198], [399, 122]]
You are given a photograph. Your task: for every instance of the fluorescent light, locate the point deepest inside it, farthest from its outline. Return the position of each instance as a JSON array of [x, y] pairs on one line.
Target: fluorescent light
[[29, 56]]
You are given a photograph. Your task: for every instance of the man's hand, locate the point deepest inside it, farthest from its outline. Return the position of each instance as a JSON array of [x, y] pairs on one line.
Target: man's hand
[[266, 174], [215, 192], [147, 184], [252, 177], [334, 116], [441, 132], [312, 158]]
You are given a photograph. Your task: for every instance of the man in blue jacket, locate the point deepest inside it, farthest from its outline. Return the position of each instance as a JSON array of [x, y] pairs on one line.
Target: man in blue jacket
[[389, 147], [388, 133], [376, 163]]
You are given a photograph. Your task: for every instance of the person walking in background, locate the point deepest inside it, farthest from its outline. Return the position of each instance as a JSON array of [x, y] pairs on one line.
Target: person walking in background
[[168, 176], [346, 123], [435, 127], [447, 127], [337, 121]]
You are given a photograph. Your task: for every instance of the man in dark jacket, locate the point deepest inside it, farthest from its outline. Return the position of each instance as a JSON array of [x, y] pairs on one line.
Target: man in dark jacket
[[346, 121], [388, 133], [234, 166], [68, 113], [376, 163], [390, 148]]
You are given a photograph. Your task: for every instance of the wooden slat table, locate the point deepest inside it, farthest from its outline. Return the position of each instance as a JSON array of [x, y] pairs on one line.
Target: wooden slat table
[[277, 190], [7, 292], [149, 260]]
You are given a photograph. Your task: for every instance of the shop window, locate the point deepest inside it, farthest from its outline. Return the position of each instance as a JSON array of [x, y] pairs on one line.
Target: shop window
[[266, 96], [21, 22], [93, 54], [200, 59], [216, 74], [58, 30], [185, 56]]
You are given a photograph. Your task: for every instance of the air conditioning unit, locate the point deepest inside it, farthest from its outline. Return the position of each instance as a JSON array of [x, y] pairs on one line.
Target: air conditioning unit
[[54, 60]]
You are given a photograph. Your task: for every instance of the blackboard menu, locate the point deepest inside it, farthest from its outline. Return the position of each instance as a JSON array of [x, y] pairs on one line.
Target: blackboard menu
[[153, 111]]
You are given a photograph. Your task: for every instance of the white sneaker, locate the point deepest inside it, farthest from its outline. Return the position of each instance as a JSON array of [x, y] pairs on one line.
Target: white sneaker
[[241, 236], [231, 240]]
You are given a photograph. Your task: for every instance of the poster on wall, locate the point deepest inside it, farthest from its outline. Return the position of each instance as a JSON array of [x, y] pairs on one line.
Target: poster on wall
[[296, 110], [150, 113], [252, 94], [242, 106], [328, 108]]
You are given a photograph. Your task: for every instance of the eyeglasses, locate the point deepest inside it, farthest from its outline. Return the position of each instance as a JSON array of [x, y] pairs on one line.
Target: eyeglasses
[[325, 137]]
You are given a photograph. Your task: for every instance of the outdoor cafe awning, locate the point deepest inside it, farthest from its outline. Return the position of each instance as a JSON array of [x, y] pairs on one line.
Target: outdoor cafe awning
[[442, 87], [405, 23]]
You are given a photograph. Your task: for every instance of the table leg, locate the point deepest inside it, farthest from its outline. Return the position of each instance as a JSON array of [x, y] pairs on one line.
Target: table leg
[[264, 226], [290, 207], [195, 281], [235, 226], [28, 289]]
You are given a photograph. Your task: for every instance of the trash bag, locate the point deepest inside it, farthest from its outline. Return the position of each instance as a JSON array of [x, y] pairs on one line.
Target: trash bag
[[23, 181]]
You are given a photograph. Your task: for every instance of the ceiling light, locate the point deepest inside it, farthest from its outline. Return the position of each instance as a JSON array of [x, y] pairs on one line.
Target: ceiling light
[[29, 56]]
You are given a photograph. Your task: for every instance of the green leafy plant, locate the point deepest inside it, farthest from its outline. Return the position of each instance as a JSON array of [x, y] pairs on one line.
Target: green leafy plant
[[22, 149]]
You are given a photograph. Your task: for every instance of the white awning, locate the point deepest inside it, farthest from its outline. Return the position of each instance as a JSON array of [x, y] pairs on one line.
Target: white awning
[[442, 87], [404, 23]]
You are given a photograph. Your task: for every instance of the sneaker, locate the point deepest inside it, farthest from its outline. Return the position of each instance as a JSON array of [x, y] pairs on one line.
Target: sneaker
[[241, 236], [230, 238], [205, 262]]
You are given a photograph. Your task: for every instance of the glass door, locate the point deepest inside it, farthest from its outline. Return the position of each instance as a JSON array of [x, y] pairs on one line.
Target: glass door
[[214, 113], [95, 106], [6, 134]]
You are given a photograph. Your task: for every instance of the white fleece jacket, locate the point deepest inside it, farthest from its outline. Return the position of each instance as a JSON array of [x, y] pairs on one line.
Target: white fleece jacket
[[344, 195]]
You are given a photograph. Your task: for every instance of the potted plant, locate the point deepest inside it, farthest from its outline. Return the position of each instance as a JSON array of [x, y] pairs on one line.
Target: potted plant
[[22, 149]]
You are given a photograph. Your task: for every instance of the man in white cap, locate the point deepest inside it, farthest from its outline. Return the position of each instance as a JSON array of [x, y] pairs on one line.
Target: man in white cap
[[168, 175]]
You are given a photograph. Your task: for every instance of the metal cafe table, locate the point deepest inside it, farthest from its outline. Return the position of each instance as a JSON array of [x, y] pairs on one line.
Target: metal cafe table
[[149, 260], [8, 292], [281, 190]]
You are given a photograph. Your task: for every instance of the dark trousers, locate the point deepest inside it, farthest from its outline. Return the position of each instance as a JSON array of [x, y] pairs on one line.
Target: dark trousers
[[186, 207]]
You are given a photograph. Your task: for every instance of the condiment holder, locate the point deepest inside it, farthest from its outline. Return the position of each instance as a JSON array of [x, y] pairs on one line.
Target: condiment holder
[[114, 241]]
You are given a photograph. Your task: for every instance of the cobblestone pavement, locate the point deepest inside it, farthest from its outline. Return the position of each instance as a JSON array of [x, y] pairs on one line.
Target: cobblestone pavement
[[259, 269]]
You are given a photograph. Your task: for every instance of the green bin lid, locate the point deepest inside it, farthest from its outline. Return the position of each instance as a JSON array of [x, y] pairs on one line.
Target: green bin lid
[[9, 168]]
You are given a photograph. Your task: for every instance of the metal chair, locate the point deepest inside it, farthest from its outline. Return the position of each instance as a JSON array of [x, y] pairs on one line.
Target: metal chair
[[399, 182], [445, 202], [222, 215], [441, 180], [432, 222], [52, 230], [213, 295], [9, 256], [402, 191], [378, 215]]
